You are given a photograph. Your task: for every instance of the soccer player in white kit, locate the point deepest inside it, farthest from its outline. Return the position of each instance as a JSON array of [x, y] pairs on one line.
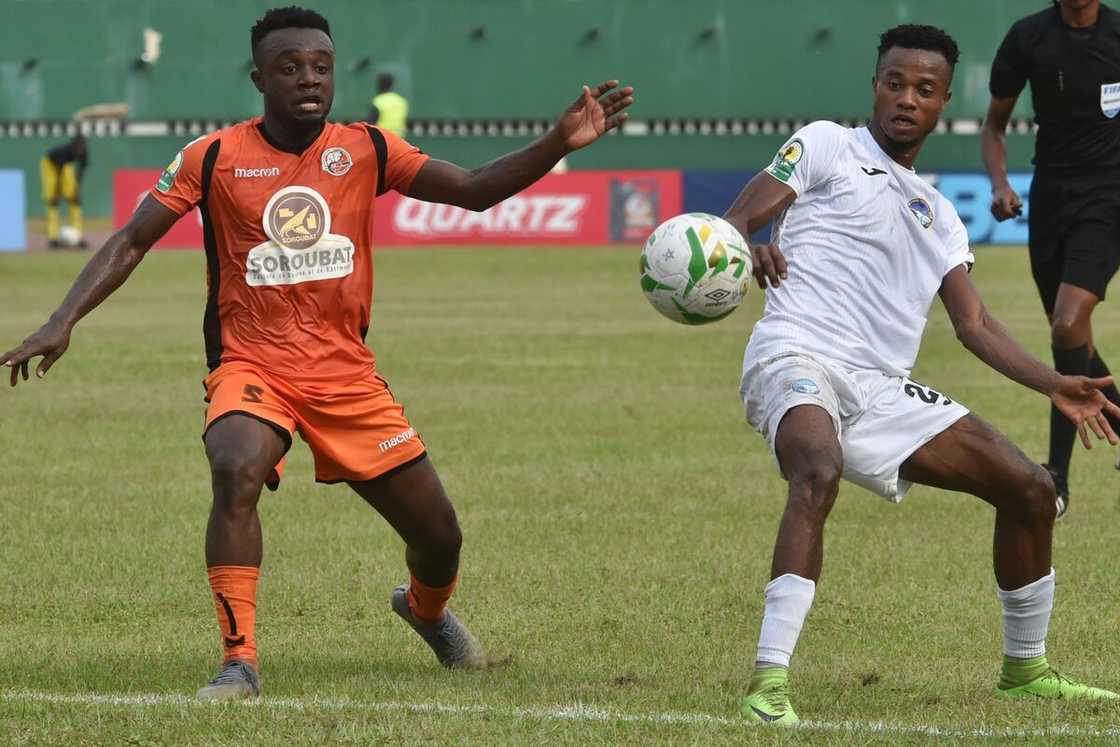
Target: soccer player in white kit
[[861, 245]]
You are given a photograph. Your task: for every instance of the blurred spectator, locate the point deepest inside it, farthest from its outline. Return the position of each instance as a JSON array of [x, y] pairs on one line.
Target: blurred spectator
[[388, 109], [61, 170]]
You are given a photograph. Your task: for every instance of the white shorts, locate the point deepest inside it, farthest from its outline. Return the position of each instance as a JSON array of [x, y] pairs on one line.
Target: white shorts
[[880, 420]]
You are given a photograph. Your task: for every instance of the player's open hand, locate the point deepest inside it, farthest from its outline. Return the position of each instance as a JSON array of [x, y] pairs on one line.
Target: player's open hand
[[49, 341], [769, 265], [596, 111], [1006, 204], [1080, 399]]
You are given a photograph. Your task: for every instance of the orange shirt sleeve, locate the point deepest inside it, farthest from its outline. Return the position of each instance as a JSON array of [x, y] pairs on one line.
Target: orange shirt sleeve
[[403, 162], [179, 187]]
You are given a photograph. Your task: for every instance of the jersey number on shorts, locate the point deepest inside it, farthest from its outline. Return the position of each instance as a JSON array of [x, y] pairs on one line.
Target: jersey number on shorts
[[925, 394]]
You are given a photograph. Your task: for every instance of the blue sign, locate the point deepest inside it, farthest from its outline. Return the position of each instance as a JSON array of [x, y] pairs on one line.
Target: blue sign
[[714, 191], [971, 194], [13, 211]]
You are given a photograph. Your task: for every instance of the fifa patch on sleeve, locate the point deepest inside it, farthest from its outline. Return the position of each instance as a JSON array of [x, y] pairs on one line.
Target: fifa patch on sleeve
[[167, 178], [783, 164], [1110, 99]]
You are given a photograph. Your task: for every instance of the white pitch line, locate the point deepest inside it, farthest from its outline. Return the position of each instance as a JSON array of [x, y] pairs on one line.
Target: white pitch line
[[572, 712]]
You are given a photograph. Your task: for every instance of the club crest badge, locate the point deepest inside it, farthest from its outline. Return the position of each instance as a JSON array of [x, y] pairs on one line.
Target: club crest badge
[[922, 211], [336, 161], [805, 386]]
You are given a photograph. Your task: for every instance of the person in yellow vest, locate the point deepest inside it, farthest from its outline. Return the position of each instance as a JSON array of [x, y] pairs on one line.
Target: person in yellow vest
[[388, 109], [61, 170]]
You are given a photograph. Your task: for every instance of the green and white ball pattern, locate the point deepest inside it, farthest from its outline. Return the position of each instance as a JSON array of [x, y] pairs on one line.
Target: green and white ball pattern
[[695, 268]]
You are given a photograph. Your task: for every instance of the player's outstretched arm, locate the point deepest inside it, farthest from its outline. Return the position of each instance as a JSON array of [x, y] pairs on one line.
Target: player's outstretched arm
[[597, 111], [762, 199], [1006, 203], [102, 275], [1077, 397]]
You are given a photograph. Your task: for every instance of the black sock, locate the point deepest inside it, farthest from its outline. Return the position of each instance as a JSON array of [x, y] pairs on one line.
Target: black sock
[[1097, 369], [1071, 362]]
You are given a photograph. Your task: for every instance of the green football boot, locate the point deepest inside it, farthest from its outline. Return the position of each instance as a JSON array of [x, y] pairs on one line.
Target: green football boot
[[1051, 684], [767, 700]]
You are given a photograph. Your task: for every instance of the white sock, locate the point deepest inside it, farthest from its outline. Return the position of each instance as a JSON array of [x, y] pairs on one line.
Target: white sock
[[1026, 617], [788, 598]]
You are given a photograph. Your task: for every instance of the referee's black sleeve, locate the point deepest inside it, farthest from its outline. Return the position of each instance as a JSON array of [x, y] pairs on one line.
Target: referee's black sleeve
[[1011, 67]]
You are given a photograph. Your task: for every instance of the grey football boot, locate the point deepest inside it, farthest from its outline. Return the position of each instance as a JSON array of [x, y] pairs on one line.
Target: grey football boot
[[452, 643], [236, 680]]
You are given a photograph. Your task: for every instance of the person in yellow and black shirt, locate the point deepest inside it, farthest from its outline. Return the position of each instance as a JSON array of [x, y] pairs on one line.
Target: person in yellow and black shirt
[[388, 109], [61, 170]]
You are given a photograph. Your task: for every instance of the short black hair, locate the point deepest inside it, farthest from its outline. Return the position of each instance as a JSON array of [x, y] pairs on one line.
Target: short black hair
[[385, 82], [917, 36], [290, 17]]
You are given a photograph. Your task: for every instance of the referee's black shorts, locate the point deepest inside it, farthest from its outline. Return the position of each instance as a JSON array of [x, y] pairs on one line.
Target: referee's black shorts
[[1074, 233]]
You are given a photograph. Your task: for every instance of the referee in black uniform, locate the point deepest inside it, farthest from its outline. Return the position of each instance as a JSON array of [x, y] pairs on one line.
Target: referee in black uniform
[[1070, 53]]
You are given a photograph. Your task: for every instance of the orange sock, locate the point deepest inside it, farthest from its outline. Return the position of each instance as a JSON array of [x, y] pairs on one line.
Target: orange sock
[[235, 601], [427, 602]]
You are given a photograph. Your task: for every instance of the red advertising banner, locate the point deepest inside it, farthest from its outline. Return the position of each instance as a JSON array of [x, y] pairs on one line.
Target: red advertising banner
[[582, 207], [130, 186]]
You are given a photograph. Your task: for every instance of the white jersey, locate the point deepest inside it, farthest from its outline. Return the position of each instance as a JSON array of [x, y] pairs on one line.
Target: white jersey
[[868, 243]]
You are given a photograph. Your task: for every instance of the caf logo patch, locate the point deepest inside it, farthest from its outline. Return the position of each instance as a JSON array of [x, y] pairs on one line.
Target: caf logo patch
[[787, 158], [167, 178], [791, 154]]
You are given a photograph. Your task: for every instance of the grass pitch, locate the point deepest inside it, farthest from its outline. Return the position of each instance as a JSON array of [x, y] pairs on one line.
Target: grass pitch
[[618, 516]]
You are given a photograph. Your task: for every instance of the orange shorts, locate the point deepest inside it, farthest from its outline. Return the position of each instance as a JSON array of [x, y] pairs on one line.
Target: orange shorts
[[356, 431]]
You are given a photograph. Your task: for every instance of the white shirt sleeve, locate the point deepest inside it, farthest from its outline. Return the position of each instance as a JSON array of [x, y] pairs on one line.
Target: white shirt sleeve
[[958, 251], [809, 157]]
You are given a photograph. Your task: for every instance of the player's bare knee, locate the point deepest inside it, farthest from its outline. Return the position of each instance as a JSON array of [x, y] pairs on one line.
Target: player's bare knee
[[445, 536], [813, 487], [237, 480], [1043, 496], [440, 537], [1066, 333], [1034, 497]]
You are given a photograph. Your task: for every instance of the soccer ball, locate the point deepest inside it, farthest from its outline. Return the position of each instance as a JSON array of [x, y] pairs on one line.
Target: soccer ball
[[69, 236], [695, 268]]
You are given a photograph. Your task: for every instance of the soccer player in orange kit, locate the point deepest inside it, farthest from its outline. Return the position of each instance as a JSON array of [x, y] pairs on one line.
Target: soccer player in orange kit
[[287, 204]]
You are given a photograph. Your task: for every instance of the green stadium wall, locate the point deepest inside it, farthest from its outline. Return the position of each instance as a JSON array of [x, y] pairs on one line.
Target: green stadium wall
[[493, 60], [687, 58]]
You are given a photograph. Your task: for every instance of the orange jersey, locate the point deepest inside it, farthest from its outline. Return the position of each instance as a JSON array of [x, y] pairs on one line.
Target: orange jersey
[[288, 242]]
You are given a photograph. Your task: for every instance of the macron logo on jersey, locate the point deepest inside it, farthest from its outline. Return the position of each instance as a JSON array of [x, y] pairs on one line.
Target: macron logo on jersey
[[251, 173], [397, 440]]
